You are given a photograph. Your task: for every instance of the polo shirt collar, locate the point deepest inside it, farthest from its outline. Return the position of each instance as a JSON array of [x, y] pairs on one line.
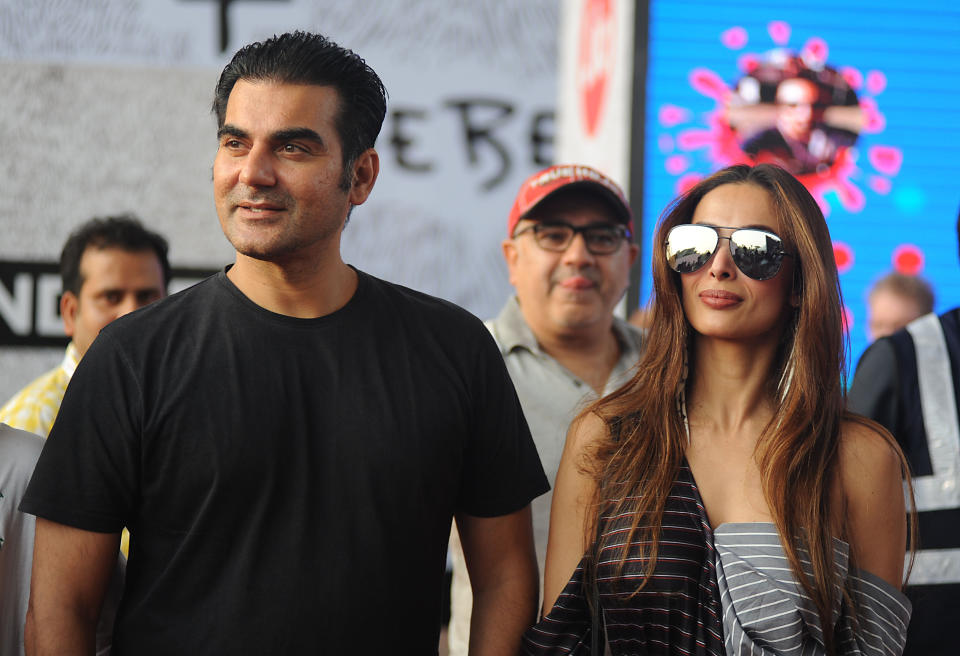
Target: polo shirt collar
[[513, 332]]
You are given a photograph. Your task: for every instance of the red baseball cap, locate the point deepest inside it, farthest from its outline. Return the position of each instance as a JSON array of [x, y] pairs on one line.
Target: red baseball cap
[[563, 176]]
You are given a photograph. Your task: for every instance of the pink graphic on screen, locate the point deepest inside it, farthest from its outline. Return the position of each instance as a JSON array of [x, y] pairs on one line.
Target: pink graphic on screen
[[793, 107], [843, 255], [847, 318], [734, 38], [789, 107], [908, 259]]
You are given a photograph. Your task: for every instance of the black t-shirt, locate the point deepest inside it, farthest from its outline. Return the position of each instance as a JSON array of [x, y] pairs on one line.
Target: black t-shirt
[[288, 483]]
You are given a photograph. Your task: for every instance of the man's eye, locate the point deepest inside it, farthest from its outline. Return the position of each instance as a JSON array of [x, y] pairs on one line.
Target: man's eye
[[553, 235], [113, 297], [145, 297], [231, 143], [293, 148], [603, 238]]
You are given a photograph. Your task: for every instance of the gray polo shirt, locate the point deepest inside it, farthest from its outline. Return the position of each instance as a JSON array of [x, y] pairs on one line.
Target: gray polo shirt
[[19, 451], [551, 396]]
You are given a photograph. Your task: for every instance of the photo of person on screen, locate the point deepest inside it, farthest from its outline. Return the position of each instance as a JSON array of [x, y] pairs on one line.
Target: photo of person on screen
[[795, 116], [800, 141]]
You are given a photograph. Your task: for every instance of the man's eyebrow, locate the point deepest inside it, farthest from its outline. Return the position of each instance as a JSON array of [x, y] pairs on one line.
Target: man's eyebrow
[[233, 131], [289, 134], [293, 134]]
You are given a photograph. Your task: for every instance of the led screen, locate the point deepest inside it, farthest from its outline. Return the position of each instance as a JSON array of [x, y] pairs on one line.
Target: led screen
[[860, 100]]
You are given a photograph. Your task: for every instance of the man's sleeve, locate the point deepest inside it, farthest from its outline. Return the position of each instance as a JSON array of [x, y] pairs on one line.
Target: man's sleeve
[[875, 390], [87, 473], [502, 470]]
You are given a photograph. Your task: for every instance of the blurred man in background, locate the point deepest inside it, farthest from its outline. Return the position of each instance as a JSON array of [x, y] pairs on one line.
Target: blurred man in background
[[894, 301], [908, 382], [109, 267], [569, 252], [19, 451]]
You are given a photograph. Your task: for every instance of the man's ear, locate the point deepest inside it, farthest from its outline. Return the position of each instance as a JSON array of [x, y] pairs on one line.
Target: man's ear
[[510, 255], [365, 171], [634, 252], [69, 306]]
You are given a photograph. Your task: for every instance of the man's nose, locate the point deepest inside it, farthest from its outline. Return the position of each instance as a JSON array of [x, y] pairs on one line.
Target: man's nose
[[577, 252], [257, 169]]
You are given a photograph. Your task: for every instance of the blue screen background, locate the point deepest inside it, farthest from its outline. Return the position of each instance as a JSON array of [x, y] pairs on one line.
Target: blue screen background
[[917, 52]]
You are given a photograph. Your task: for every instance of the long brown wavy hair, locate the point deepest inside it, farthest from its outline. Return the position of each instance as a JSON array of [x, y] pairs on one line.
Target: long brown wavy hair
[[637, 462]]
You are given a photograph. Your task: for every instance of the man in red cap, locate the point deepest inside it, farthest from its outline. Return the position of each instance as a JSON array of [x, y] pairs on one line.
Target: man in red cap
[[569, 250]]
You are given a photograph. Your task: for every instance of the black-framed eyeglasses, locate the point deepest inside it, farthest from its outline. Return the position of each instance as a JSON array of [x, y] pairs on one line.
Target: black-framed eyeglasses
[[600, 238], [757, 253]]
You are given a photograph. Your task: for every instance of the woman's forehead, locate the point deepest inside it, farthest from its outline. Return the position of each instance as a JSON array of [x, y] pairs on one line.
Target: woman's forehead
[[737, 205]]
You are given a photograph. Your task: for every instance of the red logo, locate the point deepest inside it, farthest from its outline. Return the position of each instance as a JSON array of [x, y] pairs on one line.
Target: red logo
[[595, 60]]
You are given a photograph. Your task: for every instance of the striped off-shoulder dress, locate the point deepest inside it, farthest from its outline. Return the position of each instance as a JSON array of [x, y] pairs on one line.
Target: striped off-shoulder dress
[[728, 591], [677, 612], [765, 611]]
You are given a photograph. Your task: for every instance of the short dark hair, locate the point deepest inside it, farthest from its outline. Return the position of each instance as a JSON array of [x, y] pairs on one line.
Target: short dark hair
[[305, 58], [123, 231]]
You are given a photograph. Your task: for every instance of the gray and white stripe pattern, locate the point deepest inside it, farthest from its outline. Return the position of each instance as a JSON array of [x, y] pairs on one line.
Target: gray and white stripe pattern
[[766, 612]]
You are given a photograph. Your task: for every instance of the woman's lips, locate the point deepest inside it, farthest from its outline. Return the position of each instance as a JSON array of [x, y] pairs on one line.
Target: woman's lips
[[719, 298]]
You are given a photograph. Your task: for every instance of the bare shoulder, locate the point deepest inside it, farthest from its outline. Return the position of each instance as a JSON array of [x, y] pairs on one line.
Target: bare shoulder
[[586, 437], [570, 515], [870, 471], [866, 452], [577, 472], [870, 475], [585, 432]]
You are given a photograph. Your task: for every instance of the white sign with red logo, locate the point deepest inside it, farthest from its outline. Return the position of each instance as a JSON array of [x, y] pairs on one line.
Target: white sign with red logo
[[595, 61], [595, 85]]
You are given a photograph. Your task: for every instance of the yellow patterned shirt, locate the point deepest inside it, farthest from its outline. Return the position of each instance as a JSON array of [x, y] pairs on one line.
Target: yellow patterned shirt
[[35, 406]]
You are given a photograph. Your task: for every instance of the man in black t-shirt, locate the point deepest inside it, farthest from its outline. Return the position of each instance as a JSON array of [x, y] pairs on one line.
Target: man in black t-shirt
[[288, 462]]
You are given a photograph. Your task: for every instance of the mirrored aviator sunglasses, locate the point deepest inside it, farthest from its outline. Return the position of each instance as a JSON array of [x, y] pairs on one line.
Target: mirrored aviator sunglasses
[[757, 253]]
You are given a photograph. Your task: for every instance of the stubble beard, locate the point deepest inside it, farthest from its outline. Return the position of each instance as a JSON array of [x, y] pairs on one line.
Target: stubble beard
[[282, 245], [279, 240]]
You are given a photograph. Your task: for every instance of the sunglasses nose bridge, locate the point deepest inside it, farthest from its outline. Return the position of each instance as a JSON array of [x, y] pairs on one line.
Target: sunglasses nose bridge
[[727, 265], [729, 245]]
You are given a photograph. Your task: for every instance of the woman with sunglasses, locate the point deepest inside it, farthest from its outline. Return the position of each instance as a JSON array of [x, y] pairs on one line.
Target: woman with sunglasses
[[723, 502]]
